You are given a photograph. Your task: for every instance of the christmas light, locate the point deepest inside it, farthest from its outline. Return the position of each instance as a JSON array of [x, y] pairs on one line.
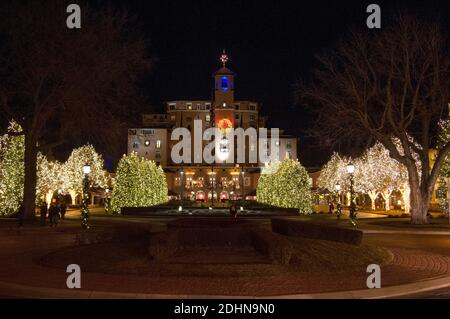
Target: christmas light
[[138, 183], [285, 184]]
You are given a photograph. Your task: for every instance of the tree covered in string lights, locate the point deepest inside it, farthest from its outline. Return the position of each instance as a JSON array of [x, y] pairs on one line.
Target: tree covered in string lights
[[138, 183], [51, 177], [73, 168], [376, 172], [11, 170], [285, 184], [443, 187]]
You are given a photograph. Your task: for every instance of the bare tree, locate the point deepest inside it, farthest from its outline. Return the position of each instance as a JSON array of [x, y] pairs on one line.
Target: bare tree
[[387, 85], [58, 82]]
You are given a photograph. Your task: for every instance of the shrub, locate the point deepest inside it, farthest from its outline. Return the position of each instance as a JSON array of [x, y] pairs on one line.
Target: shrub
[[297, 228], [285, 184], [139, 183], [275, 246]]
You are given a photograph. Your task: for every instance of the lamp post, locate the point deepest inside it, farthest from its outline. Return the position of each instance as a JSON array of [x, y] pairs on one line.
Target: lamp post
[[338, 203], [107, 200], [243, 186], [181, 189], [352, 210], [85, 197], [212, 181]]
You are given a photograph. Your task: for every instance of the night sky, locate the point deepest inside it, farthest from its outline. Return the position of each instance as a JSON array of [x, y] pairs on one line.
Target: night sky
[[271, 45]]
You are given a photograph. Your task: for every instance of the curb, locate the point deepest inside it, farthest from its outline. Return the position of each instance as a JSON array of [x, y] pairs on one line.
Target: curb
[[17, 290], [406, 232]]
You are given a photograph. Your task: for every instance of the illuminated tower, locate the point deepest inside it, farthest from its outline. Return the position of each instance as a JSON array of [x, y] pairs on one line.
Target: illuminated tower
[[223, 93]]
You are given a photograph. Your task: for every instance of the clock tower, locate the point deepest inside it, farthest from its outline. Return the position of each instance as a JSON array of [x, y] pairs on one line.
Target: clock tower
[[224, 93]]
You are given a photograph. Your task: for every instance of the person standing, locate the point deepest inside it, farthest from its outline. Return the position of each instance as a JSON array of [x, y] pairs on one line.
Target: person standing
[[53, 214], [331, 207], [63, 210], [43, 210]]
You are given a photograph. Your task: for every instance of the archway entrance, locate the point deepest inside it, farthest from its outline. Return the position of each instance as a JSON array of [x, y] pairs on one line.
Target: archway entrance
[[200, 196], [224, 196]]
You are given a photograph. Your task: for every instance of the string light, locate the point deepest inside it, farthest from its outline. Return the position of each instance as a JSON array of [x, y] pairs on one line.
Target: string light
[[285, 184], [139, 183]]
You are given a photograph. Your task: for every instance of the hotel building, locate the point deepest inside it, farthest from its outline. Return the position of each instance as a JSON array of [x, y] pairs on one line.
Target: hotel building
[[200, 180]]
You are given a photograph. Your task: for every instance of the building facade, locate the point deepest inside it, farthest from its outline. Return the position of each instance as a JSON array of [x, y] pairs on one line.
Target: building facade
[[201, 180]]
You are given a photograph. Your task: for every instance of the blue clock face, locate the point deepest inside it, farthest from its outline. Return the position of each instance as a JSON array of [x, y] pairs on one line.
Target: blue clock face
[[224, 83]]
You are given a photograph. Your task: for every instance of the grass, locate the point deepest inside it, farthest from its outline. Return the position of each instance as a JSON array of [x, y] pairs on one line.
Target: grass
[[131, 258]]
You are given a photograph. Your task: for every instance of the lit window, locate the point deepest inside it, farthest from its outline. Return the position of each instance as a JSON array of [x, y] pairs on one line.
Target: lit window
[[158, 144], [208, 118], [224, 145], [224, 83]]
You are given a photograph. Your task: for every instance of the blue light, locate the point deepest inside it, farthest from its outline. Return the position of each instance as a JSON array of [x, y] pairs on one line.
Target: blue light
[[224, 83]]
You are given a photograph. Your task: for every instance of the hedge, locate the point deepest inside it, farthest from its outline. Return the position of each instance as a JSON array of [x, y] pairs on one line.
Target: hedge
[[303, 229]]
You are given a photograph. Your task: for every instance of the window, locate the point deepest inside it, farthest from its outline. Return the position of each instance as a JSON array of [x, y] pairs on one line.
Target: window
[[148, 132], [252, 107], [236, 116], [158, 155], [247, 181], [288, 145], [172, 117], [158, 144], [236, 106], [177, 181], [224, 83], [202, 107], [135, 145], [132, 132], [252, 117], [172, 107], [208, 118], [208, 106], [189, 106]]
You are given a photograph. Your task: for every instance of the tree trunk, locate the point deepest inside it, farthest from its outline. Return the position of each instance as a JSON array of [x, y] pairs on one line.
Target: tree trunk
[[373, 197], [419, 206], [29, 194], [406, 196]]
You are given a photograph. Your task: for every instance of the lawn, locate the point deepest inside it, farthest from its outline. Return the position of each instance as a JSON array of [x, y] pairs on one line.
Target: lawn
[[132, 258]]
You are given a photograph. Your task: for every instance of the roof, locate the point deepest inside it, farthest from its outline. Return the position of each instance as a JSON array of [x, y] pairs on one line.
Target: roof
[[224, 70]]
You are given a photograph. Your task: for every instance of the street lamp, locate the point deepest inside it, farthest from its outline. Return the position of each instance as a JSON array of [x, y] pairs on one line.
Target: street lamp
[[85, 197], [351, 171], [243, 186], [338, 203]]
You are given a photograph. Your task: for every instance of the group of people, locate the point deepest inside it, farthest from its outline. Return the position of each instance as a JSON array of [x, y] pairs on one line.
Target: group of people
[[55, 212]]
